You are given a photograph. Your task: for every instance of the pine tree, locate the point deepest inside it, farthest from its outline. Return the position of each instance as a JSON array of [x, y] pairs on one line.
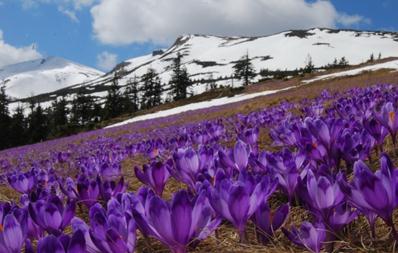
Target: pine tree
[[59, 117], [179, 79], [113, 103], [131, 93], [60, 112], [18, 127], [335, 63], [210, 84], [157, 92], [4, 119], [244, 70], [82, 109], [343, 62], [38, 125], [309, 67], [371, 58], [152, 89]]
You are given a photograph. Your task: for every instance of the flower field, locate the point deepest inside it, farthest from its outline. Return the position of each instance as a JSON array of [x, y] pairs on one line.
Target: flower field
[[318, 174]]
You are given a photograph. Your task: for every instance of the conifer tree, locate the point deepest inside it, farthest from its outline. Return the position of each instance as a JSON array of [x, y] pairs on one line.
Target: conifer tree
[[38, 125], [82, 109], [343, 62], [157, 92], [179, 79], [309, 67], [244, 70], [18, 127], [4, 119], [59, 117], [151, 88], [131, 95], [371, 58], [113, 103], [60, 112]]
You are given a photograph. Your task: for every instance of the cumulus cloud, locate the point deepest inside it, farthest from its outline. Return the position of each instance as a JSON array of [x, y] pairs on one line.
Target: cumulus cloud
[[11, 55], [121, 22], [106, 61]]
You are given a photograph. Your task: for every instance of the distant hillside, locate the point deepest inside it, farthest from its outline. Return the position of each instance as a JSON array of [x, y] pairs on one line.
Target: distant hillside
[[212, 57], [45, 75]]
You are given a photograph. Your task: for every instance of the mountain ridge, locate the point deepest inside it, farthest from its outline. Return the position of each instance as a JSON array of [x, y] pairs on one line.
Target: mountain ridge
[[213, 57], [43, 75]]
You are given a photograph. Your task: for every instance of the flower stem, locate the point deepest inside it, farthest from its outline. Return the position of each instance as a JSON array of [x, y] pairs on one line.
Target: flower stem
[[242, 236]]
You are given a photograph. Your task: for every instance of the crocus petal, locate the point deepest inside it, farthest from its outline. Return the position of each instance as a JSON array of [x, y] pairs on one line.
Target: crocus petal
[[159, 217], [12, 234], [241, 155], [77, 243], [239, 206], [50, 244], [181, 217]]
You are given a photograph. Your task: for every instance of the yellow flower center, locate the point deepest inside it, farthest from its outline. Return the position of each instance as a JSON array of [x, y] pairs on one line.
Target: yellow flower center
[[1, 228]]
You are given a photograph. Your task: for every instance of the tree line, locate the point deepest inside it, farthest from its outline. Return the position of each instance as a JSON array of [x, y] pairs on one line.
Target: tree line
[[84, 112]]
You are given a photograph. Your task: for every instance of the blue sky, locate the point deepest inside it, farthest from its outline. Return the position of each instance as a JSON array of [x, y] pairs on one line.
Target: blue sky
[[100, 33]]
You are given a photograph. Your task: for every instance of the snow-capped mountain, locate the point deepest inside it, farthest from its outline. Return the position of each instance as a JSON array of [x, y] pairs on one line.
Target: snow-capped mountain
[[212, 57], [45, 75]]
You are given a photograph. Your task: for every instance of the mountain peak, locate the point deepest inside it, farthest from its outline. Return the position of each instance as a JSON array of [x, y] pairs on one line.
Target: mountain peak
[[44, 75]]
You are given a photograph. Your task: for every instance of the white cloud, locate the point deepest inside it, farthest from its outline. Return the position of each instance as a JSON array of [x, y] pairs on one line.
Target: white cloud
[[349, 20], [120, 22], [11, 55], [106, 61]]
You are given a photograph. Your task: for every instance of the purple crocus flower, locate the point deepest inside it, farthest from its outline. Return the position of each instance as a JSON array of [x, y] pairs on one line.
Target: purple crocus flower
[[237, 201], [29, 227], [11, 234], [355, 145], [341, 216], [376, 192], [111, 232], [110, 170], [250, 136], [69, 188], [79, 225], [88, 190], [62, 244], [326, 134], [110, 188], [154, 175], [376, 130], [187, 166], [21, 182], [267, 222], [184, 220], [323, 194], [237, 158], [388, 117], [137, 204], [287, 168], [51, 214], [308, 236]]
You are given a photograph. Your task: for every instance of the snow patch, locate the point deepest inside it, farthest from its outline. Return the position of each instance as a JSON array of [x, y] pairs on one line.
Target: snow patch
[[386, 65], [199, 105]]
